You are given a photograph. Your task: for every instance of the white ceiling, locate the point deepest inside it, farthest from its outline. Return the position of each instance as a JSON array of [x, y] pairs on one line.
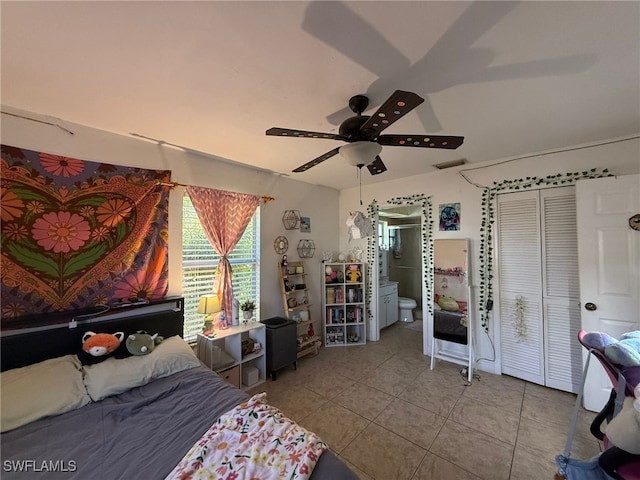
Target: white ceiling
[[512, 78]]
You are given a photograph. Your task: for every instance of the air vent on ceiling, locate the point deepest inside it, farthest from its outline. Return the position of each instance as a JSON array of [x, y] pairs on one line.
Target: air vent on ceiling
[[452, 163]]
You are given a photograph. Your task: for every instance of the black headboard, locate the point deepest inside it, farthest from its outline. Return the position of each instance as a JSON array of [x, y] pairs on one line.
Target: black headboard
[[18, 350]]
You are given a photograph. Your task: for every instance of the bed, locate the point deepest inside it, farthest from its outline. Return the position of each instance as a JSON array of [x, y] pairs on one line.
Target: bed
[[142, 432]]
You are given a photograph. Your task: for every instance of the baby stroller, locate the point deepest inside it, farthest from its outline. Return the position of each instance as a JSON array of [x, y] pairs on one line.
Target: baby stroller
[[613, 461]]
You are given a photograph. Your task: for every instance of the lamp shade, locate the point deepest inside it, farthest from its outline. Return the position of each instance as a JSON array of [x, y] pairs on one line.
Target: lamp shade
[[360, 153], [209, 304]]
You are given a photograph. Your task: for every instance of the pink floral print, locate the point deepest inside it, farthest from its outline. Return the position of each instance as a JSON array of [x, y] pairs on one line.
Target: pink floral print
[[61, 231]]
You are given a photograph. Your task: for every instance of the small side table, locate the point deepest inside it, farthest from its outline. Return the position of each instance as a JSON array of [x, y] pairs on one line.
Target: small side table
[[231, 365]]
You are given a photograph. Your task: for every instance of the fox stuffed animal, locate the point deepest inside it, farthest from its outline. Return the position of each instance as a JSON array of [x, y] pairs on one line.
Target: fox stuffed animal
[[101, 344]]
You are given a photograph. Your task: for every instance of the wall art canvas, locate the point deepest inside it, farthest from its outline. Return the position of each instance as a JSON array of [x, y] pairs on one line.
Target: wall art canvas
[[76, 234], [305, 224], [449, 216]]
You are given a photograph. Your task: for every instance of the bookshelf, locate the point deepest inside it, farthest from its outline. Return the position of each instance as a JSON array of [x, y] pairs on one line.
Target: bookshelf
[[343, 304], [296, 303]]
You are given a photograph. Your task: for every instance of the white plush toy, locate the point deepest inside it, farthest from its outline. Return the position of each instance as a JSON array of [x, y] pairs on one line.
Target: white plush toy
[[359, 226], [624, 429]]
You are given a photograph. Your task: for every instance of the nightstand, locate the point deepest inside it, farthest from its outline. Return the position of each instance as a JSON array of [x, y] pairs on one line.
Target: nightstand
[[223, 354]]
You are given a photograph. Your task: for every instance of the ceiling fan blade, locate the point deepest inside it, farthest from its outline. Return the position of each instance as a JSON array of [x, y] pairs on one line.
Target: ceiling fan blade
[[334, 23], [395, 107], [287, 132], [426, 141], [377, 166], [316, 161], [428, 118]]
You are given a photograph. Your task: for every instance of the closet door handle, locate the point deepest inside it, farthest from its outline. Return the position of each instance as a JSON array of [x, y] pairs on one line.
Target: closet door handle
[[590, 306]]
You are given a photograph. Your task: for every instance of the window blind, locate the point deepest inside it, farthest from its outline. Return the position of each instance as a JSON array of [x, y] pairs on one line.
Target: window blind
[[200, 261]]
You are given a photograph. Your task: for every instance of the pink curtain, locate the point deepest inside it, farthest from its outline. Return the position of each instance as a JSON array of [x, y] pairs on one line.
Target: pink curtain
[[224, 217]]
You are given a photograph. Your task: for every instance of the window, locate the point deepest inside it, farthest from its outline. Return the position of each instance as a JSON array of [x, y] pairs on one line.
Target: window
[[383, 232], [200, 260]]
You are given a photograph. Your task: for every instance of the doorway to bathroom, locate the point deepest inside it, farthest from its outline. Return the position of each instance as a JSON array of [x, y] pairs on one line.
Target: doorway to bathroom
[[404, 258], [401, 256]]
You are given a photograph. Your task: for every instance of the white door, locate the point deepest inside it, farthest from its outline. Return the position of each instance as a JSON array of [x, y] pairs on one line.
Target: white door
[[519, 252], [560, 289], [538, 269], [609, 257]]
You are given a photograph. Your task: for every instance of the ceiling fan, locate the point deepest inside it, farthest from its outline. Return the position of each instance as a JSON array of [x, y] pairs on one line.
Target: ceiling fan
[[362, 132]]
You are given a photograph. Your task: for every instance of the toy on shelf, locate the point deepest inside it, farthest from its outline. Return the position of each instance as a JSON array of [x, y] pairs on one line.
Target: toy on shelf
[[353, 273]]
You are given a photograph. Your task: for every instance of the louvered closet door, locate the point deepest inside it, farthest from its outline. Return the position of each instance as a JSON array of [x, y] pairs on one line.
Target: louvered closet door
[[538, 261], [561, 289], [519, 274]]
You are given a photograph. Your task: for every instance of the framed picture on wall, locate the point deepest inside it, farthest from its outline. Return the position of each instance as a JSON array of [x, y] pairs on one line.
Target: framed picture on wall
[[305, 224], [449, 216]]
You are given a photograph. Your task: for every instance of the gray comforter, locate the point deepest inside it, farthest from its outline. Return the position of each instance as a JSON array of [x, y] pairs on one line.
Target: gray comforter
[[142, 433]]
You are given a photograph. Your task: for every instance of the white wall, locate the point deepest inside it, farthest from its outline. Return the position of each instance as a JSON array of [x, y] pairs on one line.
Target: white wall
[[327, 208], [318, 203], [620, 156]]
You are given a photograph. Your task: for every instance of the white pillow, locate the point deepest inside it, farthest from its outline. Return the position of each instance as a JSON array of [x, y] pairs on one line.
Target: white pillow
[[47, 388], [449, 304], [114, 376]]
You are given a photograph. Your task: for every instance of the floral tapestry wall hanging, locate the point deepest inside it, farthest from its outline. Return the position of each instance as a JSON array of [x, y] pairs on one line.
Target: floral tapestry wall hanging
[[76, 234]]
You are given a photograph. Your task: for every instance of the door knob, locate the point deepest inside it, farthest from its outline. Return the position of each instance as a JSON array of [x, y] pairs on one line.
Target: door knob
[[590, 306]]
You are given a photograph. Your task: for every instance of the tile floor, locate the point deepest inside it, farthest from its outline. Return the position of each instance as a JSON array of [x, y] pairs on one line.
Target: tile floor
[[389, 417]]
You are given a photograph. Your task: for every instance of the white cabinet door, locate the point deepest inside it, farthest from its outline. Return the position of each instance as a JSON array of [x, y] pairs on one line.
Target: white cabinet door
[[609, 256], [392, 308], [383, 308], [387, 305], [382, 311]]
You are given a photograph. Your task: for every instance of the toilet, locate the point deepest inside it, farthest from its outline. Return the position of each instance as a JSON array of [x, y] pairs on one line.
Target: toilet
[[405, 309]]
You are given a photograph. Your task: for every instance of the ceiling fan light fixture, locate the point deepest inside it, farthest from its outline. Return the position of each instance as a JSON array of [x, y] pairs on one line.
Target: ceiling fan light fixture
[[360, 153]]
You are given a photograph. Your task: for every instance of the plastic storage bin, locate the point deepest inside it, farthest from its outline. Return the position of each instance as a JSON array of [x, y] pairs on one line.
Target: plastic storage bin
[[250, 376], [281, 344]]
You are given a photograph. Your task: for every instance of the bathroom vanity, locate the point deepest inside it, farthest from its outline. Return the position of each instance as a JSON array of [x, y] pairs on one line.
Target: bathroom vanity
[[387, 304]]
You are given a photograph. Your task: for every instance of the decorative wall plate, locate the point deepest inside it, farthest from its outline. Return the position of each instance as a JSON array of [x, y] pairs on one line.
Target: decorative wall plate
[[281, 245]]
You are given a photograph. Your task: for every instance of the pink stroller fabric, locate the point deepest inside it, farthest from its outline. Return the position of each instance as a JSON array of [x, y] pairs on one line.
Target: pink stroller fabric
[[616, 462]]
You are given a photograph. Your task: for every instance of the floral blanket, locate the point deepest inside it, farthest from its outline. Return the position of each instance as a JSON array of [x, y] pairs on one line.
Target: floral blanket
[[254, 441]]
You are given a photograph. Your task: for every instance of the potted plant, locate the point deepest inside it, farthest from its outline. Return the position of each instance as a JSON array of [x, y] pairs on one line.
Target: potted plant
[[247, 307]]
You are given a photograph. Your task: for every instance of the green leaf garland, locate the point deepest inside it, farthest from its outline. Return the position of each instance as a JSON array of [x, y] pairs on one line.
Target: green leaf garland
[[485, 291], [427, 241]]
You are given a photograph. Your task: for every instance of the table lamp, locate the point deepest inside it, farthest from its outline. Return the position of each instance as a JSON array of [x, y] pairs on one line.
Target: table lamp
[[209, 305]]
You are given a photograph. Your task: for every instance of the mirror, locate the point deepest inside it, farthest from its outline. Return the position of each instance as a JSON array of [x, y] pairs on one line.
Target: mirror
[[451, 290]]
